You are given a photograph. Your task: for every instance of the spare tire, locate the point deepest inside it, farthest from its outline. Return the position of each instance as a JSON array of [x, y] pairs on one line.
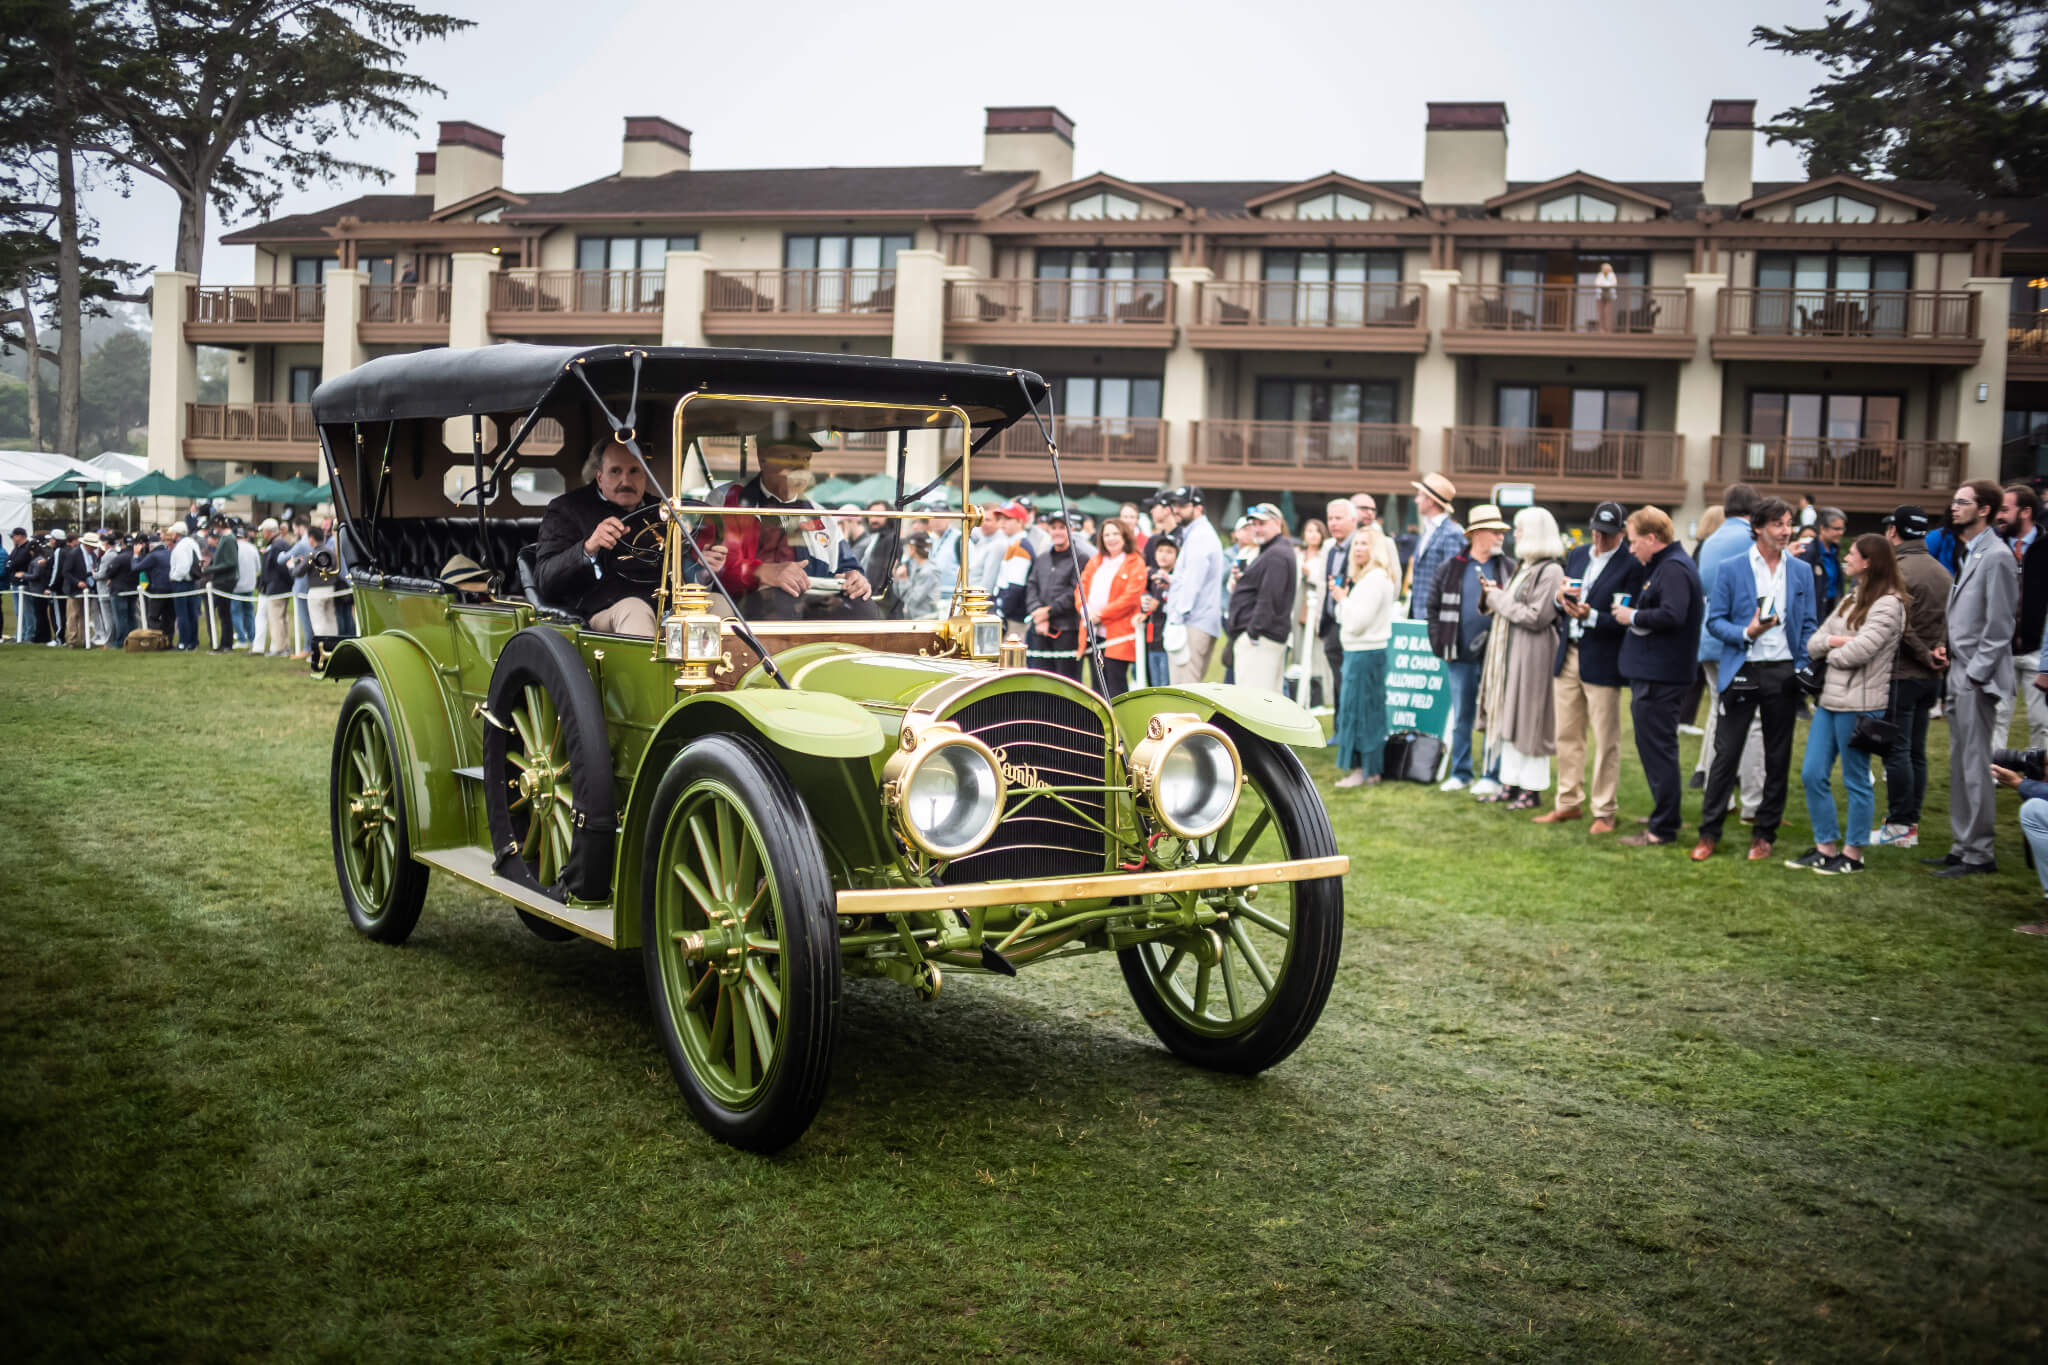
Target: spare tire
[[548, 770]]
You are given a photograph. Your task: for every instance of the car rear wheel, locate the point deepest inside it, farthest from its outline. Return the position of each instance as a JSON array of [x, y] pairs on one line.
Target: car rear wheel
[[381, 885], [738, 941], [547, 769], [1241, 994]]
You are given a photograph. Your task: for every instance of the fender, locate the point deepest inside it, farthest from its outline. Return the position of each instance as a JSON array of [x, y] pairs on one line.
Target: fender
[[1266, 714], [824, 742], [435, 815]]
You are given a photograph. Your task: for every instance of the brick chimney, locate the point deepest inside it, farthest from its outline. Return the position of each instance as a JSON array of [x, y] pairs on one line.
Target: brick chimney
[[654, 146], [469, 159], [1464, 152], [423, 174], [1034, 137], [1731, 149]]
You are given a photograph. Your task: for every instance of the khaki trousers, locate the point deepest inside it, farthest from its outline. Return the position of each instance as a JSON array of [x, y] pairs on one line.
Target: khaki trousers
[[1201, 645], [74, 622], [1260, 663], [627, 616], [277, 616], [1583, 706]]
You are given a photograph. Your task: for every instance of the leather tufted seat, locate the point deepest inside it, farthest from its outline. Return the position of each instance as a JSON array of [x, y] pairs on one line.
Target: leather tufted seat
[[418, 547]]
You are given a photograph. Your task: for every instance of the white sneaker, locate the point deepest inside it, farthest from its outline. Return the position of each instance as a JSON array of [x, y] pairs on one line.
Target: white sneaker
[[1451, 784], [1690, 730], [1485, 786], [1898, 836]]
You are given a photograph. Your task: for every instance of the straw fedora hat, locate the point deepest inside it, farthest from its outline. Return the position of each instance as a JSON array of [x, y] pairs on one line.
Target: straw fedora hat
[[1437, 486], [1486, 517]]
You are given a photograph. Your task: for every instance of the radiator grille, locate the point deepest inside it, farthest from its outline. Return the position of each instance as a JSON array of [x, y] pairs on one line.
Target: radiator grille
[[1063, 741]]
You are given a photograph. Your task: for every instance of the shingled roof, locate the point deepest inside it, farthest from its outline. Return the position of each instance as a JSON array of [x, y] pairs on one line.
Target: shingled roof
[[305, 227], [821, 190]]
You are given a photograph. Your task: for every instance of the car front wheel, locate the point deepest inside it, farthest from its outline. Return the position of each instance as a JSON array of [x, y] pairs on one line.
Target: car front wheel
[[381, 885], [739, 944]]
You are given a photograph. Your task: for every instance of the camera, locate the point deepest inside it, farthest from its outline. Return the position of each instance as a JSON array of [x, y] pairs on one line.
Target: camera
[[2031, 764]]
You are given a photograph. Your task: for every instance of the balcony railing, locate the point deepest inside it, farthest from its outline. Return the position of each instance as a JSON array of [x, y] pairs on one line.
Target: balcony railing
[[1092, 303], [1297, 303], [1560, 453], [1817, 462], [578, 291], [2026, 336], [424, 304], [274, 422], [1132, 440], [1370, 446], [1625, 310], [1860, 314], [257, 303], [800, 291]]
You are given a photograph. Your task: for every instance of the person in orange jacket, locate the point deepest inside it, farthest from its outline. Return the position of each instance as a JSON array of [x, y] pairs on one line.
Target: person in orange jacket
[[1108, 599]]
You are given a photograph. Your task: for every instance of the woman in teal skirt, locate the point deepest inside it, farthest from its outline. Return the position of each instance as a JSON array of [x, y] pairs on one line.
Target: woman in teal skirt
[[1365, 622]]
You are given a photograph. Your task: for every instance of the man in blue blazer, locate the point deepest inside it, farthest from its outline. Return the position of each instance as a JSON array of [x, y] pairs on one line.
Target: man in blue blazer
[[1585, 682], [1761, 613]]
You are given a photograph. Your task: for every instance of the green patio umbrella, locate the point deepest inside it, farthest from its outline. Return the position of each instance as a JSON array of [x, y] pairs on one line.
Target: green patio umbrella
[[985, 497], [870, 489], [72, 482], [259, 486], [1095, 505], [830, 491], [154, 484], [191, 486], [295, 489], [324, 493]]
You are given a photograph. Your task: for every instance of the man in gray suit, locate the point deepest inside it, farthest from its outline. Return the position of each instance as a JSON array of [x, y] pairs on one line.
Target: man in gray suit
[[1982, 609]]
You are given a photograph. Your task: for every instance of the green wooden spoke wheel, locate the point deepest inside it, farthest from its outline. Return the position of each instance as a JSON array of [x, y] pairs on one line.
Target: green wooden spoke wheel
[[381, 885], [738, 943], [1241, 994]]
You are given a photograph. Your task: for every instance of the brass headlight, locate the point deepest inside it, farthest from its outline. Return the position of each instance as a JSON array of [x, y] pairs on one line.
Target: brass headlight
[[973, 631], [946, 789], [692, 636], [1187, 773]]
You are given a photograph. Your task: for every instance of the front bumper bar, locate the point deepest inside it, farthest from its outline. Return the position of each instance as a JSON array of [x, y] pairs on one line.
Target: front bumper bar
[[901, 899]]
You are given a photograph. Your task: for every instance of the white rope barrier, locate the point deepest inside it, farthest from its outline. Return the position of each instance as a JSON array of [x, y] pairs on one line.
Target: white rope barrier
[[100, 606]]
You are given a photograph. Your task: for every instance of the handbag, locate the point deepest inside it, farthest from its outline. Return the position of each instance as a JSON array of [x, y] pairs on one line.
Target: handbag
[[1873, 735], [1813, 678], [1411, 756]]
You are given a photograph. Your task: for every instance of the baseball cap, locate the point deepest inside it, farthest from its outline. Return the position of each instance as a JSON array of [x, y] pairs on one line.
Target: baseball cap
[[267, 524], [20, 530], [1608, 518], [1016, 511], [1909, 521], [59, 533], [1264, 511]]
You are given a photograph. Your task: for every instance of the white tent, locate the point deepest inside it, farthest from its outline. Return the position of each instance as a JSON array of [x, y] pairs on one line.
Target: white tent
[[119, 468], [14, 506], [33, 469]]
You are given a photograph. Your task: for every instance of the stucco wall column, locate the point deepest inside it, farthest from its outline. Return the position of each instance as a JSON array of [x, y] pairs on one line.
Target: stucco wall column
[[1699, 399], [918, 332], [341, 347], [1435, 405], [682, 300], [1184, 391], [469, 298], [1983, 424], [173, 371]]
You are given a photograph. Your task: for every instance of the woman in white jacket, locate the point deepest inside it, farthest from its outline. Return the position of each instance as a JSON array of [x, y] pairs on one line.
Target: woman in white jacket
[[1365, 622]]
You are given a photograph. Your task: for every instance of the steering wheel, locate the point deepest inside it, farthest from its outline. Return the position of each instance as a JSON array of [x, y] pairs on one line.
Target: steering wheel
[[641, 544]]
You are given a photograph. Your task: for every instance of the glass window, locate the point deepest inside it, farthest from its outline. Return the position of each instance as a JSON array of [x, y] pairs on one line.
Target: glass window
[[844, 252], [1109, 396], [304, 379], [311, 269], [1551, 406], [1103, 205], [1834, 208], [1577, 208], [1327, 400], [378, 268], [1333, 287], [1835, 416], [630, 253], [1334, 205]]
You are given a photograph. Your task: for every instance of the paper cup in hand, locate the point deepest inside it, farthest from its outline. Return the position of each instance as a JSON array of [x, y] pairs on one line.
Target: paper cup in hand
[[1622, 599]]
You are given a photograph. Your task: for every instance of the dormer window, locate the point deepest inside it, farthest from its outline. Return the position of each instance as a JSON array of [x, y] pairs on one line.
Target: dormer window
[[1102, 204], [1835, 208], [1577, 208], [1334, 205]]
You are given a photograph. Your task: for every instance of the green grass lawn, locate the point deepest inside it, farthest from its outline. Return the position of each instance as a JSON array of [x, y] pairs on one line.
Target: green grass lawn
[[1569, 1102]]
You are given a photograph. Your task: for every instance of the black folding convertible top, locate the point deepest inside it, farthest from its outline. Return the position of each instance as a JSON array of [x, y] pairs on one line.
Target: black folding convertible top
[[515, 377]]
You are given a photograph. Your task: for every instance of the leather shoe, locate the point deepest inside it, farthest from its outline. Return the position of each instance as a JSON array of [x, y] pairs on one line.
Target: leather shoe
[[1644, 840], [1759, 849], [1602, 825], [1945, 860], [1702, 850], [1558, 817], [1967, 870]]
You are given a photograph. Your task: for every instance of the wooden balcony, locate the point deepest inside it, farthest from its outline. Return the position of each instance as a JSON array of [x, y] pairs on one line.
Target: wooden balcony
[[404, 312], [239, 314], [1564, 319], [2026, 347], [599, 303], [1854, 474], [799, 302], [1273, 315], [1123, 313], [251, 431], [1322, 457], [1092, 449], [1908, 326], [1569, 465]]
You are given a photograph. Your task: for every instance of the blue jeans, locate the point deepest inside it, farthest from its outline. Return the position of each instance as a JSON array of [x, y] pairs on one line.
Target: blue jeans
[[305, 620], [345, 614], [1828, 737], [1157, 668], [2034, 824], [124, 620], [187, 604], [1464, 709], [244, 616]]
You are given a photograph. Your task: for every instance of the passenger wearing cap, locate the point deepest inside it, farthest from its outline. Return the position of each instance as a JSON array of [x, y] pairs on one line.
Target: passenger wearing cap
[[1586, 679], [1441, 540], [1916, 679], [1052, 602], [1194, 597], [590, 559], [1262, 601], [765, 564]]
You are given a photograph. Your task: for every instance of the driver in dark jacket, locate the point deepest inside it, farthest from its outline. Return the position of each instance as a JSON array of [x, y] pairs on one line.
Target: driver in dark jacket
[[590, 559]]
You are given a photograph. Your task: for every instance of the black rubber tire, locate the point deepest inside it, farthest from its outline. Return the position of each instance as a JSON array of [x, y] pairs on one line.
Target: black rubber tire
[[805, 906], [543, 657], [1304, 985], [544, 928], [393, 922]]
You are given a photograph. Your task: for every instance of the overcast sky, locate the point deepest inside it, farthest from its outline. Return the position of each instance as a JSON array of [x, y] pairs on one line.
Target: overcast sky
[[1207, 89]]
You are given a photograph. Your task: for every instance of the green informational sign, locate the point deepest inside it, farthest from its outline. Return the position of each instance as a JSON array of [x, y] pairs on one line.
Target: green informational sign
[[1418, 685]]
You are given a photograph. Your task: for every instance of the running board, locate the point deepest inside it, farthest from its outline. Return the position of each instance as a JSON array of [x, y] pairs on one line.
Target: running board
[[475, 774], [473, 865]]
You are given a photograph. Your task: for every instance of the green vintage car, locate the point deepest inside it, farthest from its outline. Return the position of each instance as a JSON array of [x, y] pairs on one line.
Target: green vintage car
[[761, 808]]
